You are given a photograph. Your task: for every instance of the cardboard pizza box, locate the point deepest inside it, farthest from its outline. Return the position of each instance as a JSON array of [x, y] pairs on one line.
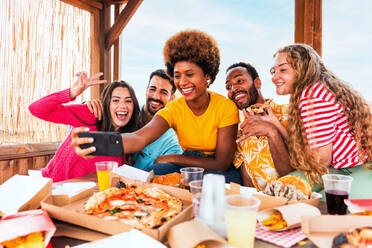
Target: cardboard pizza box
[[268, 201], [64, 193], [321, 230], [74, 212], [77, 232], [22, 192]]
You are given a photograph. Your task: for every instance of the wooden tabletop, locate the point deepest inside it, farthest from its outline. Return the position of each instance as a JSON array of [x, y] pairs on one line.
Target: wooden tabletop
[[62, 242]]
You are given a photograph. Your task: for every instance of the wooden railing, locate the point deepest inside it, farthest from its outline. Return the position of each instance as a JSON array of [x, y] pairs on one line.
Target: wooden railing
[[18, 159]]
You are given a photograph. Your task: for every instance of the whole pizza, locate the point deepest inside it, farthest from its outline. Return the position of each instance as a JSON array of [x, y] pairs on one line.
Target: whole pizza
[[139, 206]]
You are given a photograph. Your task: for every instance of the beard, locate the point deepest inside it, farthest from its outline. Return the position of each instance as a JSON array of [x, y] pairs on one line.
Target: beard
[[149, 108], [252, 97]]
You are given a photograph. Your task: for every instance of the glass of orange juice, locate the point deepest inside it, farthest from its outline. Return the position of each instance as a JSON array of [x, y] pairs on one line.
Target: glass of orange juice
[[103, 174], [241, 218]]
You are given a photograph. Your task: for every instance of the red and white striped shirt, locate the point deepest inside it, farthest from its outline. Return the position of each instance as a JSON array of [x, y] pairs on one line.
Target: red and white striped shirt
[[325, 122]]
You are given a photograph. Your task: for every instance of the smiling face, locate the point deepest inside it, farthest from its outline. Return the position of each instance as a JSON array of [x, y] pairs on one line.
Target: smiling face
[[158, 94], [283, 75], [190, 80], [241, 88], [121, 107]]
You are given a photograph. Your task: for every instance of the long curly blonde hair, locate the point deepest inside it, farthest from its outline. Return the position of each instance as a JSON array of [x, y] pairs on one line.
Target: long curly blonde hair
[[310, 69]]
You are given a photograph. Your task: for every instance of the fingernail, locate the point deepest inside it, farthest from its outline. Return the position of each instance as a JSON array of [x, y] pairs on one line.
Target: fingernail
[[93, 149], [91, 139], [86, 129]]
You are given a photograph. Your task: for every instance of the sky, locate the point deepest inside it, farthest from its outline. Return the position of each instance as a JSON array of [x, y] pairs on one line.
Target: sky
[[249, 31]]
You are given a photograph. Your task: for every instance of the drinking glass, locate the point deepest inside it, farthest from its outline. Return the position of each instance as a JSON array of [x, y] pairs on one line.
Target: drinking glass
[[103, 173], [196, 191], [190, 174], [241, 218], [337, 188]]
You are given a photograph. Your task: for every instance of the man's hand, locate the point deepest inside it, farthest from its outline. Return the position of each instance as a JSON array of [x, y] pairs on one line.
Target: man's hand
[[96, 108], [76, 141], [255, 125], [83, 82]]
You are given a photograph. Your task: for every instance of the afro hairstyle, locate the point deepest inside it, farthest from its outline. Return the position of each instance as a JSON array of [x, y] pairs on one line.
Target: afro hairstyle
[[193, 46]]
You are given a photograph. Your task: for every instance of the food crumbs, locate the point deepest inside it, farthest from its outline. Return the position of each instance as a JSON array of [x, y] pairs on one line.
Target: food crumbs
[[301, 243]]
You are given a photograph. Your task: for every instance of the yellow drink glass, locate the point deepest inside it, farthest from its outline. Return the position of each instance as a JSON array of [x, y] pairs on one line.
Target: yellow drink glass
[[103, 174], [241, 218]]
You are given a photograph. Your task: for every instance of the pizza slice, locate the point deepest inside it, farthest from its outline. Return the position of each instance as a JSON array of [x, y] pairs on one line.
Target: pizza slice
[[356, 238]]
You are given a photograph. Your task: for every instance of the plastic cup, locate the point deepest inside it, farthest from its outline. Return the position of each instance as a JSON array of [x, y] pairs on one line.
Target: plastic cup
[[337, 189], [196, 191], [241, 218], [212, 203], [190, 174], [103, 174]]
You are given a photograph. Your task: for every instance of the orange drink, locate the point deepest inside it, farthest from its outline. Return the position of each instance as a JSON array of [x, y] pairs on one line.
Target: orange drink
[[103, 174]]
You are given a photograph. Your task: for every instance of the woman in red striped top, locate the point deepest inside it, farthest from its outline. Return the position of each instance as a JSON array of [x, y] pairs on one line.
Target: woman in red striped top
[[329, 124]]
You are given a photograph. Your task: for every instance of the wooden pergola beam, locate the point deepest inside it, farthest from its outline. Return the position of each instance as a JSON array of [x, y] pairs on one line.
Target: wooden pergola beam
[[123, 19], [109, 2], [87, 5], [308, 23]]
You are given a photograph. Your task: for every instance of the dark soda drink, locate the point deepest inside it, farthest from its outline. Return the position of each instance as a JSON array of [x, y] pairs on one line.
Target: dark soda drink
[[335, 201]]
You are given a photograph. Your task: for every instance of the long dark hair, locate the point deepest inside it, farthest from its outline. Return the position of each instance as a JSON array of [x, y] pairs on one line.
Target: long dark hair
[[105, 124]]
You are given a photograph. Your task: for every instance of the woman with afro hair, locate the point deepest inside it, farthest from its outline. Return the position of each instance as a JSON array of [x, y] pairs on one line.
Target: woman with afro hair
[[205, 122], [329, 124]]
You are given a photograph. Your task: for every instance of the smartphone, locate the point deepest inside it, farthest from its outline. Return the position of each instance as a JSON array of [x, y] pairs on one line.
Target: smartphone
[[107, 144]]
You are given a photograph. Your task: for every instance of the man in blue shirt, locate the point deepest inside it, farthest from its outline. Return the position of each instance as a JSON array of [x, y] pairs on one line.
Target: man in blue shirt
[[160, 90]]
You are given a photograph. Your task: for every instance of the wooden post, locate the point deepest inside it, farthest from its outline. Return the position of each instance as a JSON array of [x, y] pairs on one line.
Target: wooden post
[[116, 48], [95, 52], [105, 54], [308, 23]]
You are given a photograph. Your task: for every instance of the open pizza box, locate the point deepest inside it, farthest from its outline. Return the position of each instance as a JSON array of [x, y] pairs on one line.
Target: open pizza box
[[268, 201], [321, 230], [74, 212], [22, 192]]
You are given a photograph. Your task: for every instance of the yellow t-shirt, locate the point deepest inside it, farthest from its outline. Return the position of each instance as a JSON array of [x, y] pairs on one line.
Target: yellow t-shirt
[[254, 152], [199, 133]]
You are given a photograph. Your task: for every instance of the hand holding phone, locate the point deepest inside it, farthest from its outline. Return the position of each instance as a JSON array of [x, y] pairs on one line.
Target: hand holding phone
[[106, 143]]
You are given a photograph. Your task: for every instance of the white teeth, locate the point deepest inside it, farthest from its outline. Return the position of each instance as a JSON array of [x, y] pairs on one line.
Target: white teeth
[[238, 95], [188, 90], [122, 113], [155, 103]]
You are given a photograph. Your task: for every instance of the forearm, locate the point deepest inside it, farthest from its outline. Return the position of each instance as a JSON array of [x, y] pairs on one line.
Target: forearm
[[279, 152], [206, 163], [132, 143]]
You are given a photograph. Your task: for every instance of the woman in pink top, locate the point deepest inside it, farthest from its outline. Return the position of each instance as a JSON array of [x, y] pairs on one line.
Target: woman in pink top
[[329, 124], [120, 113]]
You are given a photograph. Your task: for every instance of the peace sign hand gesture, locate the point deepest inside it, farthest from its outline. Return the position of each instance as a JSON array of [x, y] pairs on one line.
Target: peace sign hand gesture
[[83, 82]]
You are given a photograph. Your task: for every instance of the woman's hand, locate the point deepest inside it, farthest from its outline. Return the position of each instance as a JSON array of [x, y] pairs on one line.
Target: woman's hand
[[77, 141], [83, 82], [96, 108]]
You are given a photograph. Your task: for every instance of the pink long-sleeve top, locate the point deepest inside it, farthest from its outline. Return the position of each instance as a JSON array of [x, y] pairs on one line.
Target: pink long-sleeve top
[[66, 163]]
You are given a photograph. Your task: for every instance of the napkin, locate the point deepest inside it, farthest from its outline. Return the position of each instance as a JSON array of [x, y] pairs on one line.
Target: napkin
[[131, 239], [284, 239], [132, 173]]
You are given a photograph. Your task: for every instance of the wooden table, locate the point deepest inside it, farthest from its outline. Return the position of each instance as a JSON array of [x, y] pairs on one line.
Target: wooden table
[[62, 242]]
